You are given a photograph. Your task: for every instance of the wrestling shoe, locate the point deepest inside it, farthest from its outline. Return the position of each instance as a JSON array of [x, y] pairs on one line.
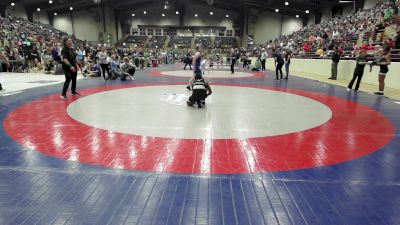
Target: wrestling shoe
[[1, 87], [63, 97], [379, 93], [76, 94], [188, 87]]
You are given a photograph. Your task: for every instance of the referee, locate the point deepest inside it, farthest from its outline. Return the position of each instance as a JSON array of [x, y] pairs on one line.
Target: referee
[[70, 67]]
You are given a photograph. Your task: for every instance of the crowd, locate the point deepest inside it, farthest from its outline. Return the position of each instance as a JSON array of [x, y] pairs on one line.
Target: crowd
[[220, 42], [181, 41], [341, 32]]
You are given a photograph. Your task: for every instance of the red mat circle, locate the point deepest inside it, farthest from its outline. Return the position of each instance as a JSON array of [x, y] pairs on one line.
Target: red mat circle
[[353, 131]]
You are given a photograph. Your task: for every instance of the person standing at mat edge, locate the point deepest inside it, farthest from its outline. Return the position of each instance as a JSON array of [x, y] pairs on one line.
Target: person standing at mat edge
[[70, 67], [5, 59], [288, 56], [279, 61], [264, 56], [383, 63], [104, 63], [335, 63], [361, 61], [233, 60]]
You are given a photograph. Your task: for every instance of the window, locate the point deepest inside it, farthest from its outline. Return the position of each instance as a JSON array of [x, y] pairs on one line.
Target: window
[[150, 31], [229, 33], [221, 33], [142, 32], [237, 33], [158, 32], [172, 32]]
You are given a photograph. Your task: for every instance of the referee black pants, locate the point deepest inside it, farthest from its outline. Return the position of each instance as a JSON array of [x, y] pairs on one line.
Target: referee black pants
[[69, 76]]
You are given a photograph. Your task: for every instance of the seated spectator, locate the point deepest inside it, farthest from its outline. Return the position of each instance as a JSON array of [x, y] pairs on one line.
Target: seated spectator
[[115, 68], [320, 52], [389, 43], [48, 60], [56, 55], [307, 48], [257, 66], [128, 69]]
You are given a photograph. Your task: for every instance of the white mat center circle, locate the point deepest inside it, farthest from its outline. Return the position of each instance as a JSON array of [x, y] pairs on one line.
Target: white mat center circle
[[231, 112]]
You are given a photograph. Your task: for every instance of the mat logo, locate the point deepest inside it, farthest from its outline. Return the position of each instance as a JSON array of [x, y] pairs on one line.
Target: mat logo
[[174, 99]]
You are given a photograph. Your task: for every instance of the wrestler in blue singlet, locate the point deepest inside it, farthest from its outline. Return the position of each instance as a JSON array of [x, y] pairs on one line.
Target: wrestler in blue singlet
[[197, 70]]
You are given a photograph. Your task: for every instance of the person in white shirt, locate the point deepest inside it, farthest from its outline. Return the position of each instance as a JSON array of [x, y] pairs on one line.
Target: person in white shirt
[[264, 56], [104, 63], [203, 65]]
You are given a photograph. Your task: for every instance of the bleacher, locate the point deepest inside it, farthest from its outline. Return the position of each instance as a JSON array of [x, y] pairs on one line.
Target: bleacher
[[225, 42], [156, 42], [205, 42], [136, 40], [180, 41]]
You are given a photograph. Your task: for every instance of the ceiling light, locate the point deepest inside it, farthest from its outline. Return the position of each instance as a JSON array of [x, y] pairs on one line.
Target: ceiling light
[[133, 14], [71, 8], [177, 12], [307, 11], [195, 15], [12, 4], [55, 14], [38, 9], [297, 16], [211, 13], [163, 14], [50, 2], [276, 10], [227, 16], [286, 3], [144, 12]]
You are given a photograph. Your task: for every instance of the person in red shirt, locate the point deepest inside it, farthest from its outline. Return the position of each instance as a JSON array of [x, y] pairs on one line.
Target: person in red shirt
[[389, 43], [307, 47], [365, 46]]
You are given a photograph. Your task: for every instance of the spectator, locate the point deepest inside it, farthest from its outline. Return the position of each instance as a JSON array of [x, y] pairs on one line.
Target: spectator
[[128, 69], [335, 63]]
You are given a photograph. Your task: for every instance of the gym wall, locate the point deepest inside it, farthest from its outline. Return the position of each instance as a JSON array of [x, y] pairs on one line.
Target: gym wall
[[153, 17], [16, 11], [270, 25], [371, 3]]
